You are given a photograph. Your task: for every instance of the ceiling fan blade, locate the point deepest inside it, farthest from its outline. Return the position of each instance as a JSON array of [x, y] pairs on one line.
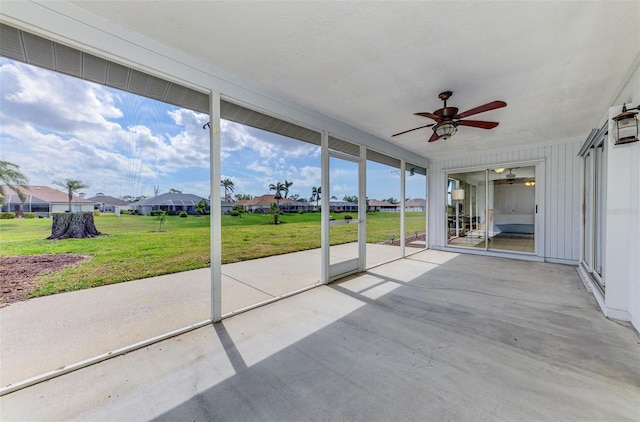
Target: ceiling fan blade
[[477, 123], [434, 137], [429, 115], [411, 130], [481, 109]]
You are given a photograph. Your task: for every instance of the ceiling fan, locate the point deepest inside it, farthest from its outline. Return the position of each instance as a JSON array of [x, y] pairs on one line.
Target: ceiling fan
[[448, 119]]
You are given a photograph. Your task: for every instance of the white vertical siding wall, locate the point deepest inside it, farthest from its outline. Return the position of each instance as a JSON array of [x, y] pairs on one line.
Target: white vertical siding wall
[[622, 272], [561, 180]]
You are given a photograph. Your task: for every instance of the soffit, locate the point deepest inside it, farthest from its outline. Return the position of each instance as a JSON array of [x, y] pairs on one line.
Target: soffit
[[38, 51], [28, 48]]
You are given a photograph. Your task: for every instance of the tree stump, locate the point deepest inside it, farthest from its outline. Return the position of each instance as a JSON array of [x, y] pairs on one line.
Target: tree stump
[[73, 225]]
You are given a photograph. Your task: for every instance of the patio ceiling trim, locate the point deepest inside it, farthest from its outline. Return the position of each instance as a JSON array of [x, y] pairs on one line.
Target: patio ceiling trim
[[34, 50]]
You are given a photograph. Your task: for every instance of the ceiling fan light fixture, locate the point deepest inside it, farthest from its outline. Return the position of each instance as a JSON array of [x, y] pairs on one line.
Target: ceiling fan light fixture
[[445, 130], [447, 118], [500, 170], [530, 182]]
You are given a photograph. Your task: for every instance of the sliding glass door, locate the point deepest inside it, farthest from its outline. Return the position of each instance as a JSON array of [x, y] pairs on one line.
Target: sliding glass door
[[493, 209], [512, 201], [594, 212]]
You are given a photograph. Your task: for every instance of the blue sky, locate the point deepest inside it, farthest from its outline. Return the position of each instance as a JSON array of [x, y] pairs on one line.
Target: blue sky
[[56, 127]]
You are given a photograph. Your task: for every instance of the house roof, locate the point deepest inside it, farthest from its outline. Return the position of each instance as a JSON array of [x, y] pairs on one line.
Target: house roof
[[40, 194], [170, 199], [109, 200], [417, 202]]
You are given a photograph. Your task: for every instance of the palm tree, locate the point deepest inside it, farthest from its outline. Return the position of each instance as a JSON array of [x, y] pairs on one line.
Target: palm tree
[[71, 186], [315, 194], [11, 176], [228, 186], [287, 185], [278, 187]]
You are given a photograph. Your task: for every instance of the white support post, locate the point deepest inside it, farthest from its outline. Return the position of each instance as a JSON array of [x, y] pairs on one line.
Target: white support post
[[362, 207], [324, 215], [426, 208], [403, 166], [215, 206]]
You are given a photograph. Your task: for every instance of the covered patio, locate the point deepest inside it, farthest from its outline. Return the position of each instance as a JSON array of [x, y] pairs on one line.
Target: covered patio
[[456, 332]]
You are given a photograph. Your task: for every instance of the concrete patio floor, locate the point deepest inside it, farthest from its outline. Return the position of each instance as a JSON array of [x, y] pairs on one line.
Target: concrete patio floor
[[437, 336], [49, 333]]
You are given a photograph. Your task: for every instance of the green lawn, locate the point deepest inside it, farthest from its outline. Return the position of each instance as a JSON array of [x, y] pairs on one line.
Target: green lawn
[[134, 248]]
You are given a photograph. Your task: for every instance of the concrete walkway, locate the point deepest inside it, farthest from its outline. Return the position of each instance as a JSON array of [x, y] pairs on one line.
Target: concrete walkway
[[437, 336], [48, 333]]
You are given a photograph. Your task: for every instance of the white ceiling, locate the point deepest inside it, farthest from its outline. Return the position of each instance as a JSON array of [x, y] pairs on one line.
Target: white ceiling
[[558, 65]]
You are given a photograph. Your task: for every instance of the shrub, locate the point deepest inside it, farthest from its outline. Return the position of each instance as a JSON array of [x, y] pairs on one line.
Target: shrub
[[234, 213], [275, 210], [348, 217], [7, 215], [162, 217], [183, 214], [96, 213], [30, 215]]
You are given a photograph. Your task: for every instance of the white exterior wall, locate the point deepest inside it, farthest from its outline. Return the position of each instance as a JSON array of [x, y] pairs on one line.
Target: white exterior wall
[[84, 207], [560, 220], [622, 221]]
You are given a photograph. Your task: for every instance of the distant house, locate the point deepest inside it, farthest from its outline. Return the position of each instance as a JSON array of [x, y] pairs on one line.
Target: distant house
[[296, 206], [168, 202], [105, 203], [342, 206], [43, 200], [375, 205], [225, 207], [262, 204], [415, 205]]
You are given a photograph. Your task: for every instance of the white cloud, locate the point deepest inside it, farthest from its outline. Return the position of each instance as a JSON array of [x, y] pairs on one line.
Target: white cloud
[[55, 103], [235, 136], [260, 167], [54, 127]]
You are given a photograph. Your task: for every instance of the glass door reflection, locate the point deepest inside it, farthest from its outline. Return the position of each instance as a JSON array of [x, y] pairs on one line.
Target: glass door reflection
[[466, 209], [512, 201]]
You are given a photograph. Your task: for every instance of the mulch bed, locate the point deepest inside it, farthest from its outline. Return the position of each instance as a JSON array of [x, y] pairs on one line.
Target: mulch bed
[[18, 274]]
